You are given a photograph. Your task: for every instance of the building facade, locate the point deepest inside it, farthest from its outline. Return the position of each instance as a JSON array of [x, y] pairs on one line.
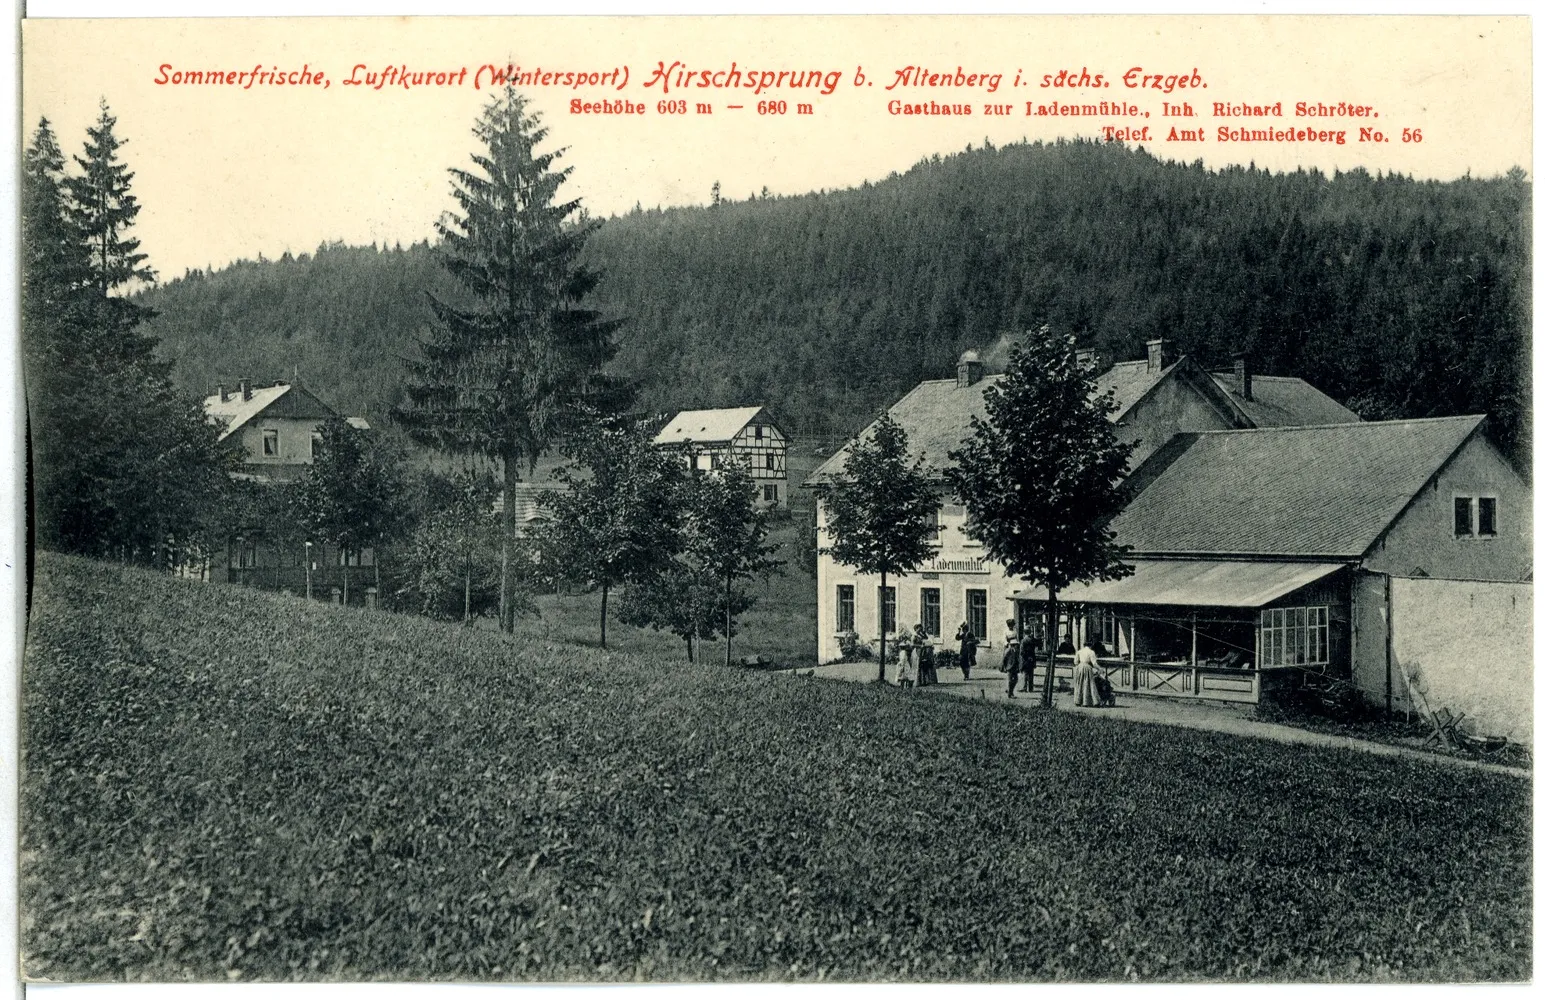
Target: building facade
[[276, 430], [1157, 397], [1272, 558]]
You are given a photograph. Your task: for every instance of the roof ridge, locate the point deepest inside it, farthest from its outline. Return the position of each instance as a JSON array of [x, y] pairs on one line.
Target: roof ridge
[[1229, 372], [1346, 425]]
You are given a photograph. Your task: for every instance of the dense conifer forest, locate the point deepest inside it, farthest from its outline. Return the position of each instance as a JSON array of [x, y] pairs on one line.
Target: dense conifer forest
[[1398, 297]]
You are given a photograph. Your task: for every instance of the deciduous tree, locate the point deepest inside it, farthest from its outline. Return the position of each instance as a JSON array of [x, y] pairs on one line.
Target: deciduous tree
[[729, 536], [619, 521], [879, 511], [1041, 477], [352, 493]]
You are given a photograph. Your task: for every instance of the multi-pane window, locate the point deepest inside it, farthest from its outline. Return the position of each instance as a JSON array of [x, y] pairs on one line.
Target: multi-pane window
[[976, 613], [1486, 516], [772, 462], [1463, 507], [887, 609], [845, 607], [1102, 626], [316, 444], [758, 430], [271, 443], [1475, 516], [1293, 637], [770, 493], [933, 524], [929, 599], [242, 554]]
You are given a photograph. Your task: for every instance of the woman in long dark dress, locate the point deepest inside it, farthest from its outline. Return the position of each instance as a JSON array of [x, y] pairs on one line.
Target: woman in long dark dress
[[927, 672]]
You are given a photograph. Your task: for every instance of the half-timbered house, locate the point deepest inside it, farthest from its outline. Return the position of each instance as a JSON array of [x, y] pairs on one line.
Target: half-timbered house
[[708, 439]]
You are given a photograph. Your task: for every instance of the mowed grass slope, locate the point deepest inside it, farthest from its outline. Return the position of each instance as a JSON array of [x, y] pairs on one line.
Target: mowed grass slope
[[225, 784]]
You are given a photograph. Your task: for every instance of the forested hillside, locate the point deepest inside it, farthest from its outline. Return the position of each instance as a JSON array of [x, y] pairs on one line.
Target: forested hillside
[[1398, 297]]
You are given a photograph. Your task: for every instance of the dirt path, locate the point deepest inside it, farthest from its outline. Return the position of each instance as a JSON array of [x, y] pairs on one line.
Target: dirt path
[[1238, 720]]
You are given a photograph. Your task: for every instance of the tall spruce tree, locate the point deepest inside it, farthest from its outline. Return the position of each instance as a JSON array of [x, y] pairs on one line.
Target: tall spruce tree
[[518, 366], [122, 462], [103, 209], [1041, 477], [879, 510]]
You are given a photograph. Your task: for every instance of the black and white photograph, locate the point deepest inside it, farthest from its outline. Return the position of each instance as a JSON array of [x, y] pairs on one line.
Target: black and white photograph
[[821, 499]]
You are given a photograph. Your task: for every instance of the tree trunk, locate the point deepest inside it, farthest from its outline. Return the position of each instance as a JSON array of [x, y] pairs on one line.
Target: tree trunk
[[506, 541], [346, 576], [466, 596], [1051, 642], [604, 590], [689, 649], [728, 595], [882, 626]]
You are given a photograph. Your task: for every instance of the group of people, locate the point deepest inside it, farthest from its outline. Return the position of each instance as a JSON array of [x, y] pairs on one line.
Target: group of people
[[914, 659], [915, 663]]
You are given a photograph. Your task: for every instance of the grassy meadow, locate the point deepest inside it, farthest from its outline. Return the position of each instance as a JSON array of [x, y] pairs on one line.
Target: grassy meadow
[[223, 784]]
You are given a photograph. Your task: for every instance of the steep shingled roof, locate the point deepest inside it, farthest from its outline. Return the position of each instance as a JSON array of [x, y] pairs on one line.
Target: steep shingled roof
[[1328, 491], [234, 411], [937, 414], [1279, 401], [708, 426]]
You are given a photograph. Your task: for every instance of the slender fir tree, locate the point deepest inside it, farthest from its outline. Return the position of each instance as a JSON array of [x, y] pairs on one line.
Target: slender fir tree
[[519, 366], [103, 209]]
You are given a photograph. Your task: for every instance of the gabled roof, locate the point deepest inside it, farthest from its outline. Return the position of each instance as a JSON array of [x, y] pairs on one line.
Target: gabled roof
[[235, 411], [937, 414], [1328, 491], [710, 426], [1280, 401], [282, 400]]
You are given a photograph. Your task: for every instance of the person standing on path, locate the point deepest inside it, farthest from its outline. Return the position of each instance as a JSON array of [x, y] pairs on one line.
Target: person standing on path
[[967, 640], [1085, 693], [1011, 656], [923, 650], [1027, 650]]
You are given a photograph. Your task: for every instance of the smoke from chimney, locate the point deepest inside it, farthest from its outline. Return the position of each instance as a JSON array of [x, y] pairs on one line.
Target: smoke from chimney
[[996, 357]]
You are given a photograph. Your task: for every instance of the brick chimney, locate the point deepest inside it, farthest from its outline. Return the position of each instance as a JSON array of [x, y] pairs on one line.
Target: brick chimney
[[1244, 375], [225, 397], [246, 389], [1157, 356], [968, 371]]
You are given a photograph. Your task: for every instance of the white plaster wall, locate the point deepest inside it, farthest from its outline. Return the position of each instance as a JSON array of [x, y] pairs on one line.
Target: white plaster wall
[[1469, 647]]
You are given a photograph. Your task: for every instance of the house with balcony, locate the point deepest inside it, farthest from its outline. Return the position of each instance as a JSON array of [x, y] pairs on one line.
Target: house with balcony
[[1157, 397], [709, 439]]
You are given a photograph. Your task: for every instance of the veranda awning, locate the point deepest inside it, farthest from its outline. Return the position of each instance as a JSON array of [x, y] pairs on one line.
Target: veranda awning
[[1194, 583]]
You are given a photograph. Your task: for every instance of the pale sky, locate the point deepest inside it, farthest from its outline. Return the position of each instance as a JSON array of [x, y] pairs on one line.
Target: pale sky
[[225, 172]]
